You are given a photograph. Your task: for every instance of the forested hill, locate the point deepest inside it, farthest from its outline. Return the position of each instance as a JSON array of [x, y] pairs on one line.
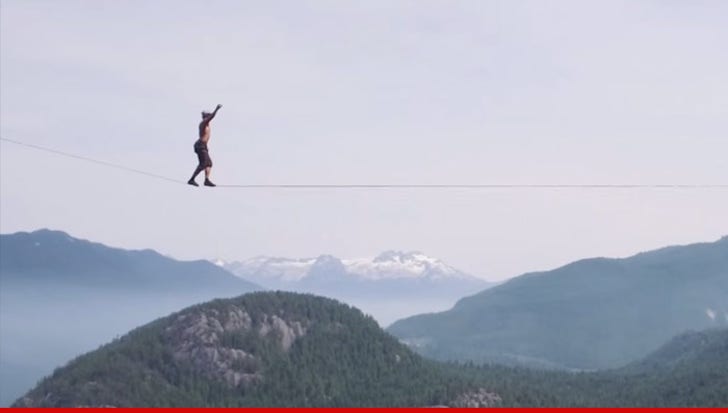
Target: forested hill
[[286, 349], [260, 349], [595, 313], [693, 350]]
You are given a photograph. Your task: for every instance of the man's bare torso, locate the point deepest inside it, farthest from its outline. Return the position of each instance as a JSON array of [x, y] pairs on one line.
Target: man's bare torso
[[205, 131]]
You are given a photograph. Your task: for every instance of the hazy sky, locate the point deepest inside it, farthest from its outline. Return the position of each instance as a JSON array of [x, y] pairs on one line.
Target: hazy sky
[[523, 92]]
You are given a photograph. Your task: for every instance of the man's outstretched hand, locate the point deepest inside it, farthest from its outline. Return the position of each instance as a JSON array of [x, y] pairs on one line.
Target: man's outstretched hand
[[218, 106]]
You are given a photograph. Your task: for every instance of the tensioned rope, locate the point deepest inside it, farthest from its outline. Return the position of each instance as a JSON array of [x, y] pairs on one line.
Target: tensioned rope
[[375, 186], [87, 159]]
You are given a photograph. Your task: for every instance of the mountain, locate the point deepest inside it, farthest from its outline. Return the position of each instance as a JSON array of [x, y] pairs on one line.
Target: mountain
[[693, 349], [592, 314], [61, 296], [690, 370], [387, 265], [390, 286], [260, 349], [53, 256], [286, 349]]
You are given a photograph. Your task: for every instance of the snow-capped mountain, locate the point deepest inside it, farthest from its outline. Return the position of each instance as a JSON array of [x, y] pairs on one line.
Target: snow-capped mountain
[[395, 264], [388, 265], [410, 281], [272, 268]]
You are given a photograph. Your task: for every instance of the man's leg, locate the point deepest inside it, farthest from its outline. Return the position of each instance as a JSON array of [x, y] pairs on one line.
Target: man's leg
[[207, 177], [208, 169], [199, 169]]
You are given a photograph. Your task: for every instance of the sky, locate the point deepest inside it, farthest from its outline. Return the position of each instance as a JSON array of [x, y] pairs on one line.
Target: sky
[[382, 91]]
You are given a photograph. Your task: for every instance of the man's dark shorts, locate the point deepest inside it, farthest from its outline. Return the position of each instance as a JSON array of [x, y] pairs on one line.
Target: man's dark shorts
[[202, 155]]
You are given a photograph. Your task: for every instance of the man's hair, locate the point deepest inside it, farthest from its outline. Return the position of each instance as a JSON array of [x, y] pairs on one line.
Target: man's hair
[[206, 114]]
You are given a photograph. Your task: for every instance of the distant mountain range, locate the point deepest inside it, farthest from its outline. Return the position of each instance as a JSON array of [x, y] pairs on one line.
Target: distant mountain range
[[61, 296], [284, 349], [390, 265], [390, 286], [592, 314]]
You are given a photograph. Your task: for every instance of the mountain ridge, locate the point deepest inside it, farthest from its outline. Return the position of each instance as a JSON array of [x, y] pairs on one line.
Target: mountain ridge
[[597, 302], [45, 252], [389, 286], [62, 296], [390, 264]]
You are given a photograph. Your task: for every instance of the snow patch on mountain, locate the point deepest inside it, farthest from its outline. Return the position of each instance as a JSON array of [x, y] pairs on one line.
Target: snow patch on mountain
[[387, 265], [284, 269], [396, 264]]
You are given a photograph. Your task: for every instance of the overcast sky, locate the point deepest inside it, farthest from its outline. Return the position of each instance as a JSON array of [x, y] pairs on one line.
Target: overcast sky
[[398, 92]]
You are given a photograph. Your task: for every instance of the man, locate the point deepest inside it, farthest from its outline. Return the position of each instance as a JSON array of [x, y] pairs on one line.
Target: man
[[205, 163]]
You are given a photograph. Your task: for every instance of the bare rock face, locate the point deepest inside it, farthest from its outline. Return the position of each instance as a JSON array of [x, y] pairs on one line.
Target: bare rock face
[[477, 398], [287, 333], [198, 338]]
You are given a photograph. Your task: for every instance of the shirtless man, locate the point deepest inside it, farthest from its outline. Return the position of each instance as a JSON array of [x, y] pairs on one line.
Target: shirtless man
[[205, 163]]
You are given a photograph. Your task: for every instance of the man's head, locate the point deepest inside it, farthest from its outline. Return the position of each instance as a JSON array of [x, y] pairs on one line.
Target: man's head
[[206, 115]]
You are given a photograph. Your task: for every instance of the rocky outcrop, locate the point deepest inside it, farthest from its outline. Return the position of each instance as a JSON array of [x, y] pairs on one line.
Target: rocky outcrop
[[477, 398], [202, 339], [286, 333]]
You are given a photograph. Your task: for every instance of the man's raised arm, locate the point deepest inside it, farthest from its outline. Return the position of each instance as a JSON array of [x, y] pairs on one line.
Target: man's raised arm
[[214, 112]]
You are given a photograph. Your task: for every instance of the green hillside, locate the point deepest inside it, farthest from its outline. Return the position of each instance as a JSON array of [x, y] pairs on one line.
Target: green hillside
[[261, 349], [592, 314], [285, 349]]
